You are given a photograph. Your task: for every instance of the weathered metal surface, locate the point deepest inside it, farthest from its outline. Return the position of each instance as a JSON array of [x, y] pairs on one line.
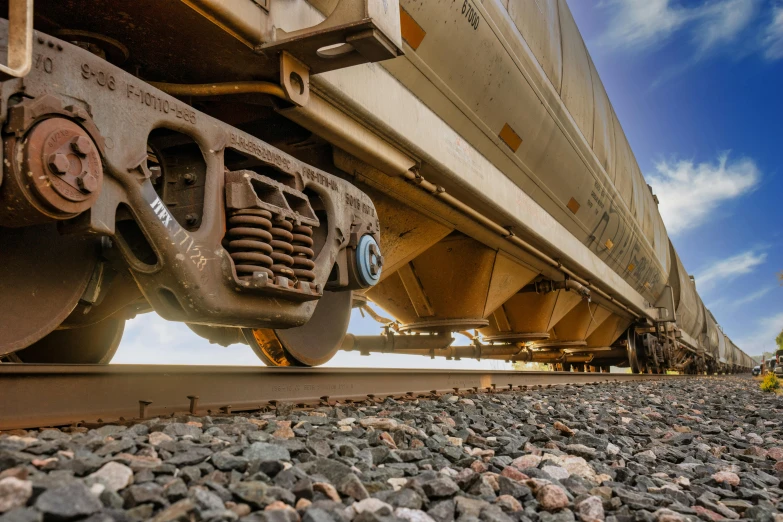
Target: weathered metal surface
[[92, 344], [43, 274], [354, 32], [19, 53], [180, 266], [507, 92], [458, 282], [39, 395], [55, 172]]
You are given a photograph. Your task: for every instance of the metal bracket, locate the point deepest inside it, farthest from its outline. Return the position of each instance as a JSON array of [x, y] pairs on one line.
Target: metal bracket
[[20, 40], [665, 306], [356, 32], [295, 79]]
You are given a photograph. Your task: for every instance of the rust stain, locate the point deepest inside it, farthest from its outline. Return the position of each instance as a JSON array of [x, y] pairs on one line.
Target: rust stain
[[631, 267], [510, 137], [573, 205], [411, 30]]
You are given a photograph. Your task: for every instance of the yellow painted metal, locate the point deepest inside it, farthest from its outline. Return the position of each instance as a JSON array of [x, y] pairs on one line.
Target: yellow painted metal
[[608, 331], [579, 322], [530, 312], [508, 276], [421, 304], [405, 233], [456, 279]]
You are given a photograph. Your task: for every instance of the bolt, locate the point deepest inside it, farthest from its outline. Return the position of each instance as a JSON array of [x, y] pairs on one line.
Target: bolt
[[59, 163], [191, 219], [189, 178], [87, 183], [81, 145], [193, 403], [143, 408]]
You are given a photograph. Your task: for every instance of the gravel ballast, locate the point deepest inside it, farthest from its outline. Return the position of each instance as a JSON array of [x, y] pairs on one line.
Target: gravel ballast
[[665, 451]]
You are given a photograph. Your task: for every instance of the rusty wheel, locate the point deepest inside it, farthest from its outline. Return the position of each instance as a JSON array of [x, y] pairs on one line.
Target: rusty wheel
[[42, 276], [310, 345], [93, 344]]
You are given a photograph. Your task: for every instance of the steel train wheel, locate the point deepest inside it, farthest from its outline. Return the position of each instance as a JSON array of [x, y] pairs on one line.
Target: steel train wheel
[[310, 345], [42, 276], [636, 358], [93, 344]]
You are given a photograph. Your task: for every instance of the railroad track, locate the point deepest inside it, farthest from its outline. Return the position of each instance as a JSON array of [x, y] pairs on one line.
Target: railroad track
[[52, 395]]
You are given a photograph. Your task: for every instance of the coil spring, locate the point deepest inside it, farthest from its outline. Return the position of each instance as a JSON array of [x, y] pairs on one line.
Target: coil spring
[[303, 253], [282, 248], [249, 242], [256, 243]]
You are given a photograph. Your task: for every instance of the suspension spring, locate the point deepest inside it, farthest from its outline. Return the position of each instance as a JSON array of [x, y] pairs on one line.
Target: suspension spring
[[282, 248], [250, 242], [303, 253]]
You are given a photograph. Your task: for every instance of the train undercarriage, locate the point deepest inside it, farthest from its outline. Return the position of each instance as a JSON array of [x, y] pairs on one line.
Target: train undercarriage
[[129, 187]]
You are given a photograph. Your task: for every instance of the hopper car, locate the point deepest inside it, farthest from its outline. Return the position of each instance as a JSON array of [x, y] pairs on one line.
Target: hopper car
[[257, 169]]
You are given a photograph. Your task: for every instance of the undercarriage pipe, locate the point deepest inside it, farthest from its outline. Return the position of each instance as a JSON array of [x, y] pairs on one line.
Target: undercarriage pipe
[[439, 346]]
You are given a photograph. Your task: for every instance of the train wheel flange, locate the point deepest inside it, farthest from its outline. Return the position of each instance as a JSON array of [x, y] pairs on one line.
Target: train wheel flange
[[93, 344], [312, 344], [635, 358]]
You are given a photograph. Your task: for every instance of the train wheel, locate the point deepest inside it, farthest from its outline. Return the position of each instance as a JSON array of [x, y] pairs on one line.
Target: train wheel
[[635, 358], [43, 276], [310, 345], [93, 344]]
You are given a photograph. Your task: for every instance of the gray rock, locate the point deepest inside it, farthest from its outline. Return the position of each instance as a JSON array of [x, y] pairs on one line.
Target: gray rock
[[190, 457], [180, 430], [22, 515], [149, 493], [69, 501], [253, 493], [442, 511], [440, 487], [351, 486], [263, 451], [225, 461], [206, 499]]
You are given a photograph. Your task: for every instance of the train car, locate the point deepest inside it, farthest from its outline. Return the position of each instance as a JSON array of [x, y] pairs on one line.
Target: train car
[[456, 164]]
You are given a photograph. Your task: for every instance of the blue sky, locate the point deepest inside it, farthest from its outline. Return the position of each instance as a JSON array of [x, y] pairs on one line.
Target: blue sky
[[697, 87]]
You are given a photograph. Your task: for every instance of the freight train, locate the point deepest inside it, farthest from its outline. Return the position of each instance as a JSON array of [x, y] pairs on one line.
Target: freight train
[[258, 168]]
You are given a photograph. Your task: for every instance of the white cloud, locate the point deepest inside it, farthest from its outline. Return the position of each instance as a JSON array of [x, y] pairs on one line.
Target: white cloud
[[762, 338], [772, 38], [690, 192], [720, 23], [750, 298], [639, 24], [726, 303], [729, 269]]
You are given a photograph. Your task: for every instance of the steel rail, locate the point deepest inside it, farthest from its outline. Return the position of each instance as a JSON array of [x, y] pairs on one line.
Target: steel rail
[[34, 395]]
